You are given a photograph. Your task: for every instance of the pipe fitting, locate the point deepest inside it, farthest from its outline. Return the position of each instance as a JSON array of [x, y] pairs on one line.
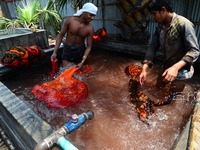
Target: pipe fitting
[[53, 138], [72, 125]]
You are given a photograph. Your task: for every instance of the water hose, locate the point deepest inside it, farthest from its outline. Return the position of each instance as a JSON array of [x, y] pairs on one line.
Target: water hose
[[65, 144]]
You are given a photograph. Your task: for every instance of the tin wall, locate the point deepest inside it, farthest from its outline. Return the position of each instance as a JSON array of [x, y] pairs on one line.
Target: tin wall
[[188, 9], [109, 14]]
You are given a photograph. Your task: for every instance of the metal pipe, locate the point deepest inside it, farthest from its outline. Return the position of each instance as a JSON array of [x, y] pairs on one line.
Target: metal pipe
[[52, 139], [73, 124]]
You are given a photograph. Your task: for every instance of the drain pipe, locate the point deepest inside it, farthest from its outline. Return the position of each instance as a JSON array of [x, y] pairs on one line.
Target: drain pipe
[[58, 136]]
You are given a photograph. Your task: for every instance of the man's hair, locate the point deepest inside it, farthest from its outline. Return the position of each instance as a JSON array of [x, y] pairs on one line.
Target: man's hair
[[156, 5]]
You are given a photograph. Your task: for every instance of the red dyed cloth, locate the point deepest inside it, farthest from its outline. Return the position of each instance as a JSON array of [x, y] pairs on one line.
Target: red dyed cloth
[[62, 92], [54, 68], [87, 70]]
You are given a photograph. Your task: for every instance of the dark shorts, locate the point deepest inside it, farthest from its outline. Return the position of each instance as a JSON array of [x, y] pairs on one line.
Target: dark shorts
[[73, 53]]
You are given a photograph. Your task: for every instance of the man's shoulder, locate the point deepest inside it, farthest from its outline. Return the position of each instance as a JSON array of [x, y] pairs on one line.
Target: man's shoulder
[[183, 20], [91, 28], [70, 17]]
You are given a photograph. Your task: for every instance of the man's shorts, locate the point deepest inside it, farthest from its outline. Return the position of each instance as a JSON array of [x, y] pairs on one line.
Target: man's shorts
[[73, 53]]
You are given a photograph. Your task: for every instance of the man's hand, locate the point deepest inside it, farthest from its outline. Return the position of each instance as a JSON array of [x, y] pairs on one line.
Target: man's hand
[[80, 65], [142, 77], [53, 57], [170, 74], [143, 74]]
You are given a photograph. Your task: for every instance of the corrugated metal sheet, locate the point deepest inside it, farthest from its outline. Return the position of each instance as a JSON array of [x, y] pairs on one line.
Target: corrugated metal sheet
[[188, 9], [111, 14]]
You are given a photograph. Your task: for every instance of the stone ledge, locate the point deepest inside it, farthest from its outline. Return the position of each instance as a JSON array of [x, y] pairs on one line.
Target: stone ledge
[[125, 47], [23, 126], [194, 137]]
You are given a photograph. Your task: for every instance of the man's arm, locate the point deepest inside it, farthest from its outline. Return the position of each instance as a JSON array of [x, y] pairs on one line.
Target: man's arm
[[88, 48], [59, 38], [171, 73], [191, 44], [149, 57]]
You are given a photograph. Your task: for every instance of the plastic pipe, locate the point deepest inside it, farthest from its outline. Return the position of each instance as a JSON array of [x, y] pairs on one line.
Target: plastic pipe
[[65, 144]]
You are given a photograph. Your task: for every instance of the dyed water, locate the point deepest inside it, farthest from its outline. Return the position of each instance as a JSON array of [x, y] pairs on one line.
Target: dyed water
[[116, 125]]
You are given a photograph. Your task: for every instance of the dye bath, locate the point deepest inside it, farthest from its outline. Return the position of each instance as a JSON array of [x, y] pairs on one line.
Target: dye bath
[[116, 125]]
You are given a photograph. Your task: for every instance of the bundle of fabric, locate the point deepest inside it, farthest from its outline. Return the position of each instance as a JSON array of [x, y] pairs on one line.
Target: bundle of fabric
[[142, 103], [62, 92], [100, 35], [18, 56], [138, 99]]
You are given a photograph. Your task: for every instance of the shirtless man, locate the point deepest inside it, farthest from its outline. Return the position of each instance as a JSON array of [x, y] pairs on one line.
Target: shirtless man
[[79, 34]]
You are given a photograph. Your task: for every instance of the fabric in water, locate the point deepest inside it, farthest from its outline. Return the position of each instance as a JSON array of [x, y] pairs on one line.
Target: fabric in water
[[62, 92]]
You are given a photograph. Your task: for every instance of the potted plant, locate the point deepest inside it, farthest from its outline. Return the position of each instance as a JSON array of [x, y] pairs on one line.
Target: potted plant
[[31, 13]]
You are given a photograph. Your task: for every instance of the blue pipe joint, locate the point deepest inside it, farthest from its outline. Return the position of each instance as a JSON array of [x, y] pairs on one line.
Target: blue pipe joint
[[73, 125], [65, 144]]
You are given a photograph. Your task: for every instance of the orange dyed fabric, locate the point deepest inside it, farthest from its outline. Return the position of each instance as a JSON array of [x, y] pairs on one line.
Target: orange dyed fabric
[[142, 103], [100, 35], [62, 92], [138, 99], [133, 71], [18, 56]]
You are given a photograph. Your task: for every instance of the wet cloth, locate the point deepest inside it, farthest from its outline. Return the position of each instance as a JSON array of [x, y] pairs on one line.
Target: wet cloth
[[87, 7], [73, 53], [64, 91], [142, 103], [183, 74]]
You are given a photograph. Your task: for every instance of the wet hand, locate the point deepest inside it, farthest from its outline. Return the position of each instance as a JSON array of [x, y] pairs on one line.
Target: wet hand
[[79, 65], [53, 57], [170, 74], [142, 77]]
